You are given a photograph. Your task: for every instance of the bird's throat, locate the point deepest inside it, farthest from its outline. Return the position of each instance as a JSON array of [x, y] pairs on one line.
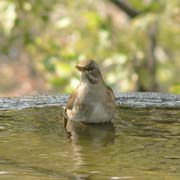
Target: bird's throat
[[92, 80]]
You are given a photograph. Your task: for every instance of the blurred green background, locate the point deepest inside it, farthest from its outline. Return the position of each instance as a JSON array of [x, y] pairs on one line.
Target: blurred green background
[[136, 43]]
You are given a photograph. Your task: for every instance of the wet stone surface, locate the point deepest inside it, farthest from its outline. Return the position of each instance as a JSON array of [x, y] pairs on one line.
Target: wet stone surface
[[134, 100]]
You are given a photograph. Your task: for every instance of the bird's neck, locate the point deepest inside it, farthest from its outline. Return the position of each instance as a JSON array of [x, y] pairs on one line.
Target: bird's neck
[[92, 80], [91, 86]]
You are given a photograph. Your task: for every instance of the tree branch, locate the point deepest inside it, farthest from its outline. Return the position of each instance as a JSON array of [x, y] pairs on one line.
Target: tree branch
[[151, 58], [126, 8]]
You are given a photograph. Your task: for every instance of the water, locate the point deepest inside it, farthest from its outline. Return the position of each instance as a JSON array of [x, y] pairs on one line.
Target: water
[[141, 144]]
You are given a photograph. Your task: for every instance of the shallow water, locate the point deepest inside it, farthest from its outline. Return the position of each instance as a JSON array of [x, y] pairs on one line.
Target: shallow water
[[141, 144]]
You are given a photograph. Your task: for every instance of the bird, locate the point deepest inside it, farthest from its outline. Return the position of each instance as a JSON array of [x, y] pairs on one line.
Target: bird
[[92, 101]]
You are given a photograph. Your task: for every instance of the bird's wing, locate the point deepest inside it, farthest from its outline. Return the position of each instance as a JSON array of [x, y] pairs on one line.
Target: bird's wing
[[70, 101], [69, 105], [111, 94]]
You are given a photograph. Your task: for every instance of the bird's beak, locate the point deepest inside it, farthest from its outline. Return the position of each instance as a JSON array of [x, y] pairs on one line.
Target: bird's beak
[[80, 68]]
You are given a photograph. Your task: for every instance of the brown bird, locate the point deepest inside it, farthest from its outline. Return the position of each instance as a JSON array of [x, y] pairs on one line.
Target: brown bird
[[92, 101]]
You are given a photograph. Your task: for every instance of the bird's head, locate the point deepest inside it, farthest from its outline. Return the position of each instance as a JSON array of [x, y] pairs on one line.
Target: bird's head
[[90, 71]]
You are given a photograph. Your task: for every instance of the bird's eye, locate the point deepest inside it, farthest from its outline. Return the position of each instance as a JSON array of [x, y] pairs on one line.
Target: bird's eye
[[90, 69]]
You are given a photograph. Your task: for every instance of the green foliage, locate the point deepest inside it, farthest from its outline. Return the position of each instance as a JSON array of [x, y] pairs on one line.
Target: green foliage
[[57, 34]]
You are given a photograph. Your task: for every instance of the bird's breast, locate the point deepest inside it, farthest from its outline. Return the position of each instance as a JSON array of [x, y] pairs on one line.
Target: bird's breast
[[90, 105], [99, 113]]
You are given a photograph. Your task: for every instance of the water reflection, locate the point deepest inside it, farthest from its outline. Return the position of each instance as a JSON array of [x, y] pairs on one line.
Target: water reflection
[[91, 134], [88, 140]]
